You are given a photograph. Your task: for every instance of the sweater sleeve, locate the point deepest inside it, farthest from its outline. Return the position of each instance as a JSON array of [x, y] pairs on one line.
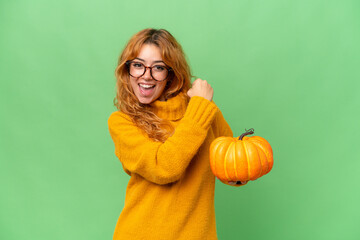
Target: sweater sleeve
[[159, 162], [221, 126]]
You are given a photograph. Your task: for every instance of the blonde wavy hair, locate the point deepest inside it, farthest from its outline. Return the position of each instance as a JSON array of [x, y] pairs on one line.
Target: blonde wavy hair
[[178, 81]]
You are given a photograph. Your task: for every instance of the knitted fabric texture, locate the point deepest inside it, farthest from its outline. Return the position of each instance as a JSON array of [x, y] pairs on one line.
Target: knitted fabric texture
[[170, 194]]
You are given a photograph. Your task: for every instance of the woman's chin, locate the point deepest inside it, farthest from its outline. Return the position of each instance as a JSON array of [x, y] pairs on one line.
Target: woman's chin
[[146, 100]]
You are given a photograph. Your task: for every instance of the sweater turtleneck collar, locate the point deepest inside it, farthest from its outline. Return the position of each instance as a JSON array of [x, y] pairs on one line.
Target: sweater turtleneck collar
[[172, 109]]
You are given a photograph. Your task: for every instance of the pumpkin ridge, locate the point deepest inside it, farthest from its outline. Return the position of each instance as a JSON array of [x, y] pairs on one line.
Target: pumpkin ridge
[[261, 168], [213, 158], [263, 143], [267, 161], [247, 158], [226, 157], [235, 169], [268, 152]]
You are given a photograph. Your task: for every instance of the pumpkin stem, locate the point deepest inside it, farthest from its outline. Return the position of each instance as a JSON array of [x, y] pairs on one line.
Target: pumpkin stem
[[248, 132]]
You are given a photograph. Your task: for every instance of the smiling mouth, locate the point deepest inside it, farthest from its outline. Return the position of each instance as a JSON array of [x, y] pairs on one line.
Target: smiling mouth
[[146, 86], [146, 90]]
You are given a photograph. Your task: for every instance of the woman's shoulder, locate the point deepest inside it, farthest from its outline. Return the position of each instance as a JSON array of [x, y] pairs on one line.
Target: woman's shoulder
[[118, 117]]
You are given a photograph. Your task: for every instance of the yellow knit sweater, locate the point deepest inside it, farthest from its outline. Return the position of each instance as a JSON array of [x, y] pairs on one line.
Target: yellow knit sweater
[[170, 194]]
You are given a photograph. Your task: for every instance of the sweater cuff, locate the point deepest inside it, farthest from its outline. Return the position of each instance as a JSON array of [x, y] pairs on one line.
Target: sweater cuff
[[201, 111]]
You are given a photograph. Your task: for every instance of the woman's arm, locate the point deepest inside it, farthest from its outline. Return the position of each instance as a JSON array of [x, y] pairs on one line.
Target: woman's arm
[[222, 127], [158, 162]]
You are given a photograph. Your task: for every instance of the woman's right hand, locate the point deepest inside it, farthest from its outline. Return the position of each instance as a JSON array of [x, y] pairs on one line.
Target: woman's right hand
[[201, 88]]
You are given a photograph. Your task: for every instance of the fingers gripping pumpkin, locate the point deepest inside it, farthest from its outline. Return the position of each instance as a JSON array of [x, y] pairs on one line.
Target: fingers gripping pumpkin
[[235, 161]]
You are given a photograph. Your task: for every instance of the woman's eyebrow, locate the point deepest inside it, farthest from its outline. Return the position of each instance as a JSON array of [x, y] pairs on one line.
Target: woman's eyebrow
[[140, 59], [158, 61]]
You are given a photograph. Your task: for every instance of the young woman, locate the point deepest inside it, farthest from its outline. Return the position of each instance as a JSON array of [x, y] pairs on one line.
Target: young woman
[[162, 132]]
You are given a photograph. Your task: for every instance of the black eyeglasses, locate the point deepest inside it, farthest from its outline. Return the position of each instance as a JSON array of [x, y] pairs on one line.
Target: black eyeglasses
[[158, 72]]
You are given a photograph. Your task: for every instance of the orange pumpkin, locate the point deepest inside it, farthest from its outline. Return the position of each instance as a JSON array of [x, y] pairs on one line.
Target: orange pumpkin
[[235, 161]]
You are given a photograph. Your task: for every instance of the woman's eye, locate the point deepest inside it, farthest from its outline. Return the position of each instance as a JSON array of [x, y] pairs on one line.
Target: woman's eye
[[137, 65], [159, 68]]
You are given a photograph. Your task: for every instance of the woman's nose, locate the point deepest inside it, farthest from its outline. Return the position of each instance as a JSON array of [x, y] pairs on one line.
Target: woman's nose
[[147, 74]]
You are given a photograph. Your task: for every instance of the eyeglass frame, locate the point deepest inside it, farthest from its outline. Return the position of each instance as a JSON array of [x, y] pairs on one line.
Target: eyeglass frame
[[169, 69]]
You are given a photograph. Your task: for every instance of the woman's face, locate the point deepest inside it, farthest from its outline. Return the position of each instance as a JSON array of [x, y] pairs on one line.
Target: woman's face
[[147, 89]]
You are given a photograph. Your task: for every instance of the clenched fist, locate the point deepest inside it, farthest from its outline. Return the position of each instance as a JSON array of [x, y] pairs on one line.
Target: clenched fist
[[201, 88]]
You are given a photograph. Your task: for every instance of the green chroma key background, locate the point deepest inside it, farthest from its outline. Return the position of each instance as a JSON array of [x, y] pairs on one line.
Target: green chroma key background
[[288, 69]]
